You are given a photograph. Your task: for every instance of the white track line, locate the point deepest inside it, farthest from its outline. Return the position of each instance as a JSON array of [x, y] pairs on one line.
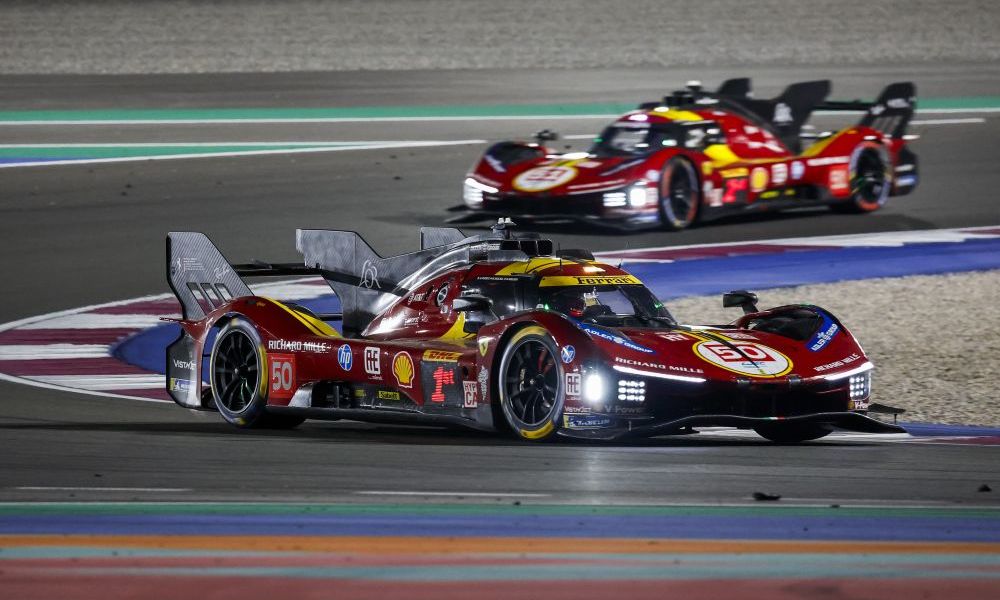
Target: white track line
[[52, 351], [252, 121], [308, 150], [97, 321], [103, 382], [46, 488], [469, 494]]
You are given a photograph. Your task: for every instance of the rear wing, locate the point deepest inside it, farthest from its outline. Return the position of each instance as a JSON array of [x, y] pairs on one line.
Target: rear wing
[[890, 113], [199, 275]]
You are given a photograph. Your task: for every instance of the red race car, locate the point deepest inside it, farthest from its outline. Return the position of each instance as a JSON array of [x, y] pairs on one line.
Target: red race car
[[700, 155], [497, 331]]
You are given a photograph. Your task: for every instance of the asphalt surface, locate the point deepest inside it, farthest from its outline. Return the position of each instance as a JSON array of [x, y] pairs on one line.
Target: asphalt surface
[[80, 234]]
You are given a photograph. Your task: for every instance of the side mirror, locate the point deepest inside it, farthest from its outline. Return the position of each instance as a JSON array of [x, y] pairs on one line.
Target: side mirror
[[742, 298], [546, 135], [478, 311]]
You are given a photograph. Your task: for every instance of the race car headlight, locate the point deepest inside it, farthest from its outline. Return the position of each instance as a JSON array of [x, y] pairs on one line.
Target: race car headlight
[[860, 386], [631, 390], [593, 388], [472, 191], [614, 199], [638, 196]]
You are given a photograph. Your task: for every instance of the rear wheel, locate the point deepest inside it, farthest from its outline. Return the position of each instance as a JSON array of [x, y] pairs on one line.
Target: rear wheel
[[679, 195], [785, 433], [530, 384], [870, 181], [237, 382]]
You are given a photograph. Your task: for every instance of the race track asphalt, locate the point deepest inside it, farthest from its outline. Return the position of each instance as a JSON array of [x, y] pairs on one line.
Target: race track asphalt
[[80, 234]]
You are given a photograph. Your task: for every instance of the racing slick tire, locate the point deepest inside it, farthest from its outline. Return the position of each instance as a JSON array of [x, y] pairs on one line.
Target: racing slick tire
[[679, 197], [785, 433], [870, 178], [530, 384], [239, 388]]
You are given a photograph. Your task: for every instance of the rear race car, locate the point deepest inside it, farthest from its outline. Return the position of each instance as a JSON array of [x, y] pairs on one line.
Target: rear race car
[[699, 155]]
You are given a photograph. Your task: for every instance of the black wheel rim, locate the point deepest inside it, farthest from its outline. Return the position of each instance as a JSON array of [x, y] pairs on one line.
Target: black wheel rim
[[531, 382], [235, 371], [680, 194], [869, 178]]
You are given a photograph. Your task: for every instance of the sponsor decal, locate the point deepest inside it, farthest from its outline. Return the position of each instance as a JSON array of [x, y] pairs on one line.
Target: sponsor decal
[[737, 172], [184, 365], [183, 265], [712, 194], [779, 173], [441, 356], [782, 114], [614, 337], [484, 382], [898, 103], [828, 160], [822, 337], [839, 178], [747, 358], [627, 410], [564, 280], [573, 384], [674, 337], [402, 369], [687, 369], [587, 421], [180, 385], [568, 353], [640, 363], [388, 395], [577, 410], [282, 374], [540, 179], [345, 358], [758, 179], [442, 376], [373, 361], [484, 346], [369, 276], [798, 169], [297, 346], [735, 190], [838, 363], [469, 394]]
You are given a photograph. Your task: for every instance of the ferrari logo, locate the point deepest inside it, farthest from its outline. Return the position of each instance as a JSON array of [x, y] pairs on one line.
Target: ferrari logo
[[484, 345]]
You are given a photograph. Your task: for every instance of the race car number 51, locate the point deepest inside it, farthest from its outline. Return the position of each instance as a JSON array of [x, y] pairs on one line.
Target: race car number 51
[[282, 376]]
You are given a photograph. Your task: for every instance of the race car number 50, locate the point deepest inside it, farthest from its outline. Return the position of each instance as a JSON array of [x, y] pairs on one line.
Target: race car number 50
[[282, 376]]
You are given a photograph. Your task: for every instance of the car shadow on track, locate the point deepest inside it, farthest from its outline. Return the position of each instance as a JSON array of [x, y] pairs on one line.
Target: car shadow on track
[[368, 433]]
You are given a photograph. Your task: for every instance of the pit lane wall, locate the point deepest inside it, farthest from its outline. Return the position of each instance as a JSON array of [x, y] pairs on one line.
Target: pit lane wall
[[122, 36]]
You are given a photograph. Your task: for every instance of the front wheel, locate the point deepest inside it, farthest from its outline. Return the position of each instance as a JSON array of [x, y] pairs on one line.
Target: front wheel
[[678, 195], [785, 433], [238, 387], [530, 384]]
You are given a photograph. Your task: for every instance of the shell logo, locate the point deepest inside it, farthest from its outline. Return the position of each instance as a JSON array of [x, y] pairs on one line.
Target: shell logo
[[540, 179], [758, 179], [402, 369]]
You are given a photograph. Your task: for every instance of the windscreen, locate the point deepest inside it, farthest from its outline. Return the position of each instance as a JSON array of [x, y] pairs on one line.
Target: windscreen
[[613, 305], [635, 139]]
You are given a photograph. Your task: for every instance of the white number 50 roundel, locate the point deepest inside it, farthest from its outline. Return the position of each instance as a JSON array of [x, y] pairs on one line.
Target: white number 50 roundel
[[543, 178], [755, 360]]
